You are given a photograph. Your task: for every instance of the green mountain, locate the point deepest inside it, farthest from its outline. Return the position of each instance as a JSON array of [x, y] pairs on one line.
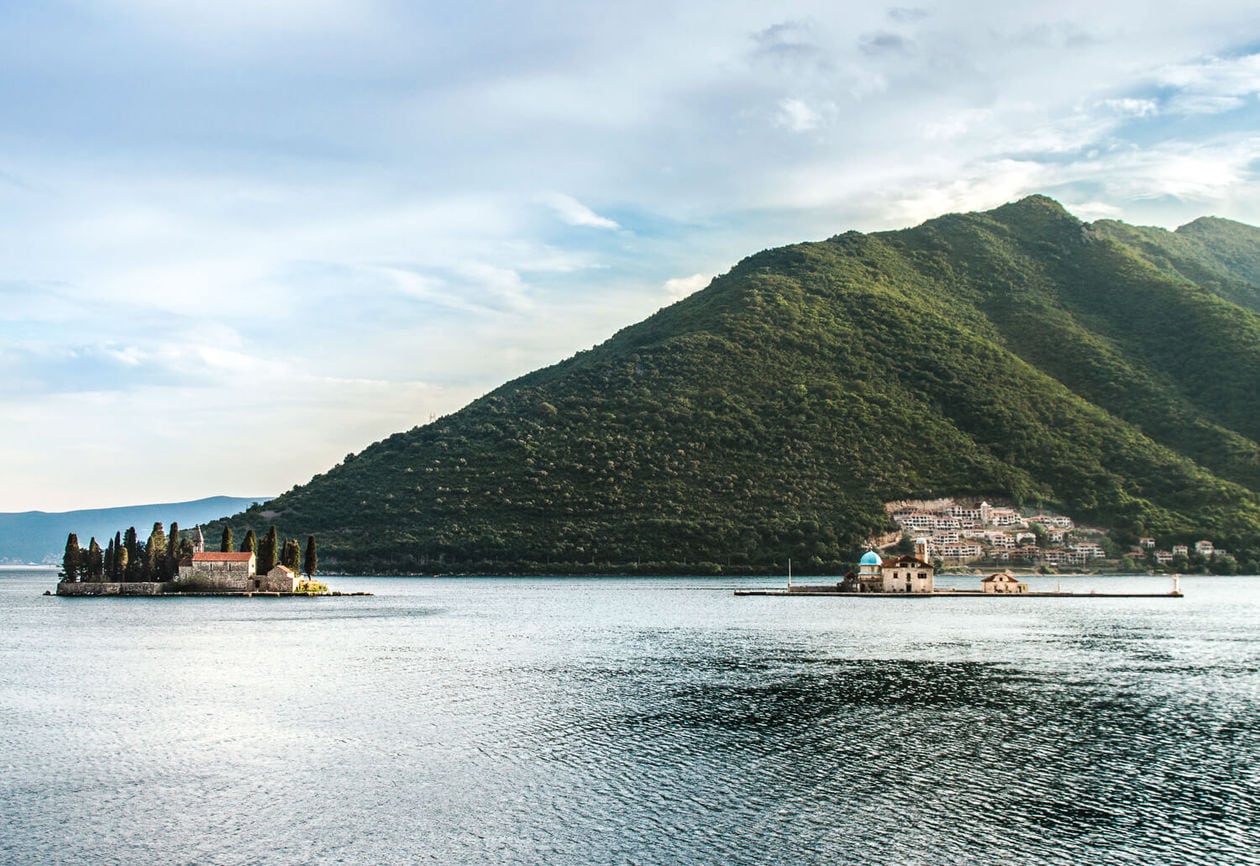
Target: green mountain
[[1105, 370]]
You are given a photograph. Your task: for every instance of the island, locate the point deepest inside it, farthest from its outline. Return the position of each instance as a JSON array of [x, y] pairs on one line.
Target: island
[[183, 567], [913, 576]]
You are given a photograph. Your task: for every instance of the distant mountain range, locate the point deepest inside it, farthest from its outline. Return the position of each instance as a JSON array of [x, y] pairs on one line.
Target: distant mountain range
[[1104, 370], [40, 537]]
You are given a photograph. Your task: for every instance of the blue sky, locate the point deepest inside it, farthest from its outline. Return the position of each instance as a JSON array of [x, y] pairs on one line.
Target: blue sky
[[240, 240]]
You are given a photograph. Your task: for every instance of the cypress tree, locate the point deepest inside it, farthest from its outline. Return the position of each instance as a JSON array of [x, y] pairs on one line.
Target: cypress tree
[[170, 564], [95, 561], [292, 556], [133, 562], [267, 553], [225, 546], [155, 553], [311, 561], [116, 571], [108, 566], [250, 544], [71, 560]]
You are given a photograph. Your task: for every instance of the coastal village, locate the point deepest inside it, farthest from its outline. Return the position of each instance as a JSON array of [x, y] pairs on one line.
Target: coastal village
[[965, 537], [971, 534]]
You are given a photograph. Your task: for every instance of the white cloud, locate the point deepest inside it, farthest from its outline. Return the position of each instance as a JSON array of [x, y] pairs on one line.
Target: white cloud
[[956, 123], [678, 288], [573, 212], [1131, 107], [1093, 210], [1204, 103], [797, 115], [1231, 76]]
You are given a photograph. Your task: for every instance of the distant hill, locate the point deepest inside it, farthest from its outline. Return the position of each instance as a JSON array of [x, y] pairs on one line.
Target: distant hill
[[40, 537], [1105, 370]]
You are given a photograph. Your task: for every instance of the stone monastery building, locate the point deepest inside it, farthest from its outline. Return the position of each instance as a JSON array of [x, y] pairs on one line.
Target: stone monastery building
[[899, 574], [230, 572]]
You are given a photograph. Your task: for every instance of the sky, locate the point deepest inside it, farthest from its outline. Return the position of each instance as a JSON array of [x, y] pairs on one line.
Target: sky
[[241, 240]]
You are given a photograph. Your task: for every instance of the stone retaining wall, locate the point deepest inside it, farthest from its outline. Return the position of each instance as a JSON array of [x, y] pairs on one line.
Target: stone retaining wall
[[110, 588]]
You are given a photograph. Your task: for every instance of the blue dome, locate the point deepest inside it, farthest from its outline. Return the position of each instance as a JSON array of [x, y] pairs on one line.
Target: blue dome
[[870, 558]]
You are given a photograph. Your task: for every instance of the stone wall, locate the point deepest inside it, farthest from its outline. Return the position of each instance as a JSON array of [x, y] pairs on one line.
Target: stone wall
[[110, 588]]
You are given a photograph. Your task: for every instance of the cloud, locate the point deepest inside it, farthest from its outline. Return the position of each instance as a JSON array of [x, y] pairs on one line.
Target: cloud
[[1212, 85], [1232, 76], [1130, 107], [1093, 210], [797, 115], [573, 212], [788, 42], [907, 14], [884, 42], [678, 288], [956, 124]]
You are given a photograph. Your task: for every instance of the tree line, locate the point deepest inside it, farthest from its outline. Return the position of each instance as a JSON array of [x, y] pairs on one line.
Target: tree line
[[127, 559]]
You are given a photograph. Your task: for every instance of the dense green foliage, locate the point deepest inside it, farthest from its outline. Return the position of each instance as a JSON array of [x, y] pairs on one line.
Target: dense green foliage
[[1106, 371]]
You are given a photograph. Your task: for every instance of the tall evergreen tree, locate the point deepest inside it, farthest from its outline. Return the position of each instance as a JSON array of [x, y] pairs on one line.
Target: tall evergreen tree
[[267, 552], [225, 546], [133, 563], [250, 544], [116, 571], [71, 560], [311, 562], [155, 553], [171, 563], [108, 566], [292, 556], [95, 561]]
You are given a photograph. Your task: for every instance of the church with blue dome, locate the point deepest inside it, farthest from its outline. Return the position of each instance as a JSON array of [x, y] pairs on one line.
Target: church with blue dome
[[897, 574]]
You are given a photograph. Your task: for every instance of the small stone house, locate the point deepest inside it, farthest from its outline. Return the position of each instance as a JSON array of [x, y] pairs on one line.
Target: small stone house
[[908, 574], [1002, 582], [279, 579]]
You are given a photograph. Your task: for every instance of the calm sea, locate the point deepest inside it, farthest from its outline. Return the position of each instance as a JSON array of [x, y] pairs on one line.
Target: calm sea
[[592, 721]]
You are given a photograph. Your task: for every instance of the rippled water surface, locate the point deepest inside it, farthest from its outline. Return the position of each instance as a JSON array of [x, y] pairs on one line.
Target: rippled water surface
[[577, 721]]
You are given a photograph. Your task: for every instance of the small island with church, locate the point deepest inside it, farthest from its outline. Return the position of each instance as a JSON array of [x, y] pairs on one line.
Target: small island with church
[[181, 566], [913, 576]]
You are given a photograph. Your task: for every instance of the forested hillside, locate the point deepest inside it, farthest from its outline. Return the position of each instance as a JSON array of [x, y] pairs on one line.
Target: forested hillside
[[1104, 370]]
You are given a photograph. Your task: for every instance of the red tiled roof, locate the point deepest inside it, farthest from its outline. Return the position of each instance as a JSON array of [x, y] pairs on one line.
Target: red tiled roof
[[221, 557]]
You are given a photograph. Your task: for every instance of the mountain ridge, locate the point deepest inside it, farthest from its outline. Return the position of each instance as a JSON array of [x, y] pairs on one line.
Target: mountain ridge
[[40, 536], [1018, 353]]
